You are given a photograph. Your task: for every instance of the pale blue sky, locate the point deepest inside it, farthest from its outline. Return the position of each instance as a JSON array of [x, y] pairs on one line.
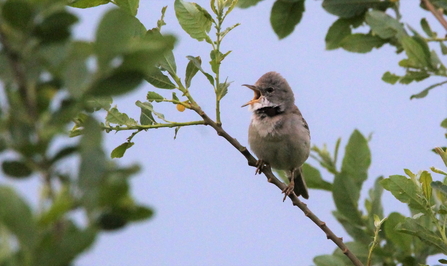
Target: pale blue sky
[[210, 208]]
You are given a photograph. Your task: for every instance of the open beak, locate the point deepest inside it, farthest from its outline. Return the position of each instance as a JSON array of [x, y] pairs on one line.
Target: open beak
[[257, 96]]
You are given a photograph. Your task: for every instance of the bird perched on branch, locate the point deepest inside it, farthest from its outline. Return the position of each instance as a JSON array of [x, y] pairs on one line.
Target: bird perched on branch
[[278, 133]]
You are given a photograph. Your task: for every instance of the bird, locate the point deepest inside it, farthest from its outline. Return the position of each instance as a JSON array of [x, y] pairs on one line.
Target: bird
[[278, 134]]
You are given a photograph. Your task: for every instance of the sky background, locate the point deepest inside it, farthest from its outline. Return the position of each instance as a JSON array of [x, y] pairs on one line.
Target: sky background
[[210, 207]]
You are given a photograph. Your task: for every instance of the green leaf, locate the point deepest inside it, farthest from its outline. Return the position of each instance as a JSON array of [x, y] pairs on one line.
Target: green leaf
[[198, 63], [148, 106], [426, 27], [443, 48], [425, 179], [116, 117], [357, 158], [438, 185], [424, 93], [337, 32], [192, 19], [130, 6], [412, 227], [153, 96], [191, 71], [384, 25], [119, 151], [353, 8], [374, 203], [346, 195], [98, 103], [55, 27], [168, 60], [62, 250], [403, 241], [16, 169], [247, 3], [390, 78], [17, 13], [416, 51], [328, 260], [285, 16], [222, 90], [93, 164], [63, 203], [405, 190], [357, 232], [138, 213], [117, 83], [361, 43], [63, 153], [88, 3], [313, 178], [16, 216], [444, 123], [114, 34], [159, 80]]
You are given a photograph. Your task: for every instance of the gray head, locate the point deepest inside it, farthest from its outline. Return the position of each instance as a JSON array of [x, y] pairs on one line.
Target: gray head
[[271, 90]]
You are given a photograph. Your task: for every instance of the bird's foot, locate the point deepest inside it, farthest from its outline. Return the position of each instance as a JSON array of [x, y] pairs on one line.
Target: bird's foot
[[259, 166], [288, 189]]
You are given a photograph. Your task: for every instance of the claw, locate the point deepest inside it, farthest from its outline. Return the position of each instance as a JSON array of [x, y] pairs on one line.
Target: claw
[[288, 189], [259, 166]]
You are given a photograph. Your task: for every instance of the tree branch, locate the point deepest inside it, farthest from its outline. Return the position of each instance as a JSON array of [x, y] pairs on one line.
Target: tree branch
[[271, 178], [438, 14]]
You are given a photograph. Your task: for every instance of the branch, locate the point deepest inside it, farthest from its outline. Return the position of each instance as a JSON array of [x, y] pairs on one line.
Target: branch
[[159, 125], [438, 14], [271, 178]]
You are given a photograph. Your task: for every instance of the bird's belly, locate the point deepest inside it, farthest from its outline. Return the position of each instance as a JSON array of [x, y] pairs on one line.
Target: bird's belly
[[284, 152]]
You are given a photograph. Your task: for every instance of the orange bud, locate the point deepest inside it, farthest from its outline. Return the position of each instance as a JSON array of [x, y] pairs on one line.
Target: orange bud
[[180, 108]]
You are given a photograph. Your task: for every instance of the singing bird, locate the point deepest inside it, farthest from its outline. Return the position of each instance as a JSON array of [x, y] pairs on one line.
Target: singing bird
[[278, 133]]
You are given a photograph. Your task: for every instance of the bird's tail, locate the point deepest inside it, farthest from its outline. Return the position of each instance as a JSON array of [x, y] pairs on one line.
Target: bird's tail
[[300, 188]]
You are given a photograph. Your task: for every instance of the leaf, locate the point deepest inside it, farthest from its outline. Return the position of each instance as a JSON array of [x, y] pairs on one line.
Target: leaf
[[119, 151], [130, 6], [62, 203], [285, 15], [148, 106], [191, 71], [337, 32], [424, 93], [64, 152], [153, 96], [313, 178], [114, 34], [415, 51], [443, 48], [405, 190], [168, 60], [390, 78], [374, 204], [16, 169], [93, 164], [444, 123], [117, 83], [438, 185], [116, 117], [55, 27], [426, 27], [346, 195], [403, 241], [222, 90], [361, 43], [159, 80], [412, 227], [425, 179], [192, 19], [357, 158], [384, 25], [328, 260], [18, 14], [247, 3], [88, 3], [198, 63], [357, 232], [16, 216], [353, 8]]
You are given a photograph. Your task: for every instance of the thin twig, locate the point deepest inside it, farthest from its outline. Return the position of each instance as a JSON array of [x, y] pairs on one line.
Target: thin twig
[[438, 14], [272, 179]]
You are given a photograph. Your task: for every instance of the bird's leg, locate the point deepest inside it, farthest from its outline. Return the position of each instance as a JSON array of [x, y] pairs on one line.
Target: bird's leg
[[259, 166], [290, 186]]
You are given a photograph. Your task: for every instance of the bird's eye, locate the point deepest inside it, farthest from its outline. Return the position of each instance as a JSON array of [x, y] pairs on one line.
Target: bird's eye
[[269, 89]]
